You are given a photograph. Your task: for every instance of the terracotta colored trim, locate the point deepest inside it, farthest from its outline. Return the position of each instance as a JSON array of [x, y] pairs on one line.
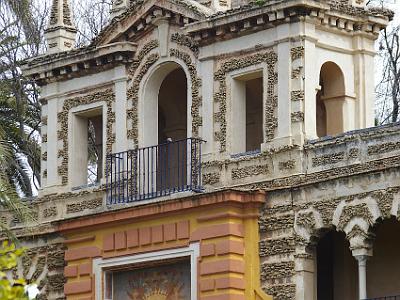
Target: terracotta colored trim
[[183, 230], [153, 210], [227, 247], [132, 238], [145, 249], [71, 271], [80, 240], [222, 266], [170, 232], [108, 242], [120, 240], [82, 252], [207, 285], [229, 215], [219, 230], [230, 283], [207, 250], [85, 269], [83, 286]]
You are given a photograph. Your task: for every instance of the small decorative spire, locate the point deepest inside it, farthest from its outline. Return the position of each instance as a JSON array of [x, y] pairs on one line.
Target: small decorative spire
[[358, 3], [119, 7], [61, 33]]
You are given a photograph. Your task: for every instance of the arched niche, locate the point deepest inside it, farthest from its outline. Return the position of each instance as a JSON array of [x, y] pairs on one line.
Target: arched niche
[[164, 103], [335, 111]]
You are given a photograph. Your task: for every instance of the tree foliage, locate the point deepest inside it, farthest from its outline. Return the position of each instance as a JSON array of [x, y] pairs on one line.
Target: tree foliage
[[388, 67], [21, 37], [11, 289]]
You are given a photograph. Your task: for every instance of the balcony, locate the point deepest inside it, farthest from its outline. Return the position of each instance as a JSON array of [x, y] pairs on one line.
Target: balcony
[[155, 171]]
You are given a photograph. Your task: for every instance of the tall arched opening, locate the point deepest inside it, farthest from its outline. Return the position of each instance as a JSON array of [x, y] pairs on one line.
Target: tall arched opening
[[172, 107], [163, 105], [332, 105], [337, 275], [164, 133]]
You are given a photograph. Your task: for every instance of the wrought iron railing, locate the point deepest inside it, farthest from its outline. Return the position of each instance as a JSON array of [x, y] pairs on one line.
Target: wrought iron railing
[[386, 298], [161, 170]]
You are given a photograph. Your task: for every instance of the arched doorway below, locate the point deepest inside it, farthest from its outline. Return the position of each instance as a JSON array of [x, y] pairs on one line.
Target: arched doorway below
[[383, 268], [337, 275]]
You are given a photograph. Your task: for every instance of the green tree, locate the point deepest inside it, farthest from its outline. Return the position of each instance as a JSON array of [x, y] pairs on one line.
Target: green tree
[[21, 37], [10, 289]]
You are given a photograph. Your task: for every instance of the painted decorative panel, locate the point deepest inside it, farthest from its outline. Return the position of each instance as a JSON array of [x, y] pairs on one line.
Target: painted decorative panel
[[162, 282]]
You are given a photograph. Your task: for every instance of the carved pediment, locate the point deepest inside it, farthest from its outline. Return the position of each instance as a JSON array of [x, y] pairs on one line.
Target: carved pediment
[[143, 15]]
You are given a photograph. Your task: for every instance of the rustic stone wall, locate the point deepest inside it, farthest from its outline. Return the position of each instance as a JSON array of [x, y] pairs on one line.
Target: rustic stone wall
[[43, 263]]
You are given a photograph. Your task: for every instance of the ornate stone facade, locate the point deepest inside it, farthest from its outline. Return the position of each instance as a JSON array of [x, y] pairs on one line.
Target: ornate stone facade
[[289, 191]]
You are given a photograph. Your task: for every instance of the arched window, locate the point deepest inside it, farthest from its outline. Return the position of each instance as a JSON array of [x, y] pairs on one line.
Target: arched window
[[172, 107], [331, 101], [165, 99]]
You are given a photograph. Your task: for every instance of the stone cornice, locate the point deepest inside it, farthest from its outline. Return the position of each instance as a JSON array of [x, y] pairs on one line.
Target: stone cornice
[[75, 63], [246, 200], [254, 18]]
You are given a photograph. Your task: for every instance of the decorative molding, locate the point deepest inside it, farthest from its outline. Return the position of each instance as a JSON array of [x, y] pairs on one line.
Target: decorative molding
[[138, 70], [297, 116], [383, 148], [133, 96], [328, 159], [220, 76], [297, 96], [197, 121], [249, 171], [297, 53], [144, 51], [211, 178], [287, 165], [187, 41], [107, 96], [83, 205]]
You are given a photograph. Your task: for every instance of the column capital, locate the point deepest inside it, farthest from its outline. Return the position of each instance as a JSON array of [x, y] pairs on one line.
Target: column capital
[[362, 253]]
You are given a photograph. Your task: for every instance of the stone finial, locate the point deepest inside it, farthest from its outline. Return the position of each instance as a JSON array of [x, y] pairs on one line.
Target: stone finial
[[358, 3], [119, 7], [61, 32]]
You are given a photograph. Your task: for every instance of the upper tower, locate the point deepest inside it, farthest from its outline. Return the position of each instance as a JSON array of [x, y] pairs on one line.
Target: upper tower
[[61, 32]]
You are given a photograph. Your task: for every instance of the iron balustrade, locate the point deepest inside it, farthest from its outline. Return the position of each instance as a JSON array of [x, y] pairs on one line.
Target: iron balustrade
[[155, 171], [386, 298]]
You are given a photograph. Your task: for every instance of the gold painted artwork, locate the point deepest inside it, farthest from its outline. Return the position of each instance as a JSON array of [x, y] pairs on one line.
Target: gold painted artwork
[[168, 282]]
